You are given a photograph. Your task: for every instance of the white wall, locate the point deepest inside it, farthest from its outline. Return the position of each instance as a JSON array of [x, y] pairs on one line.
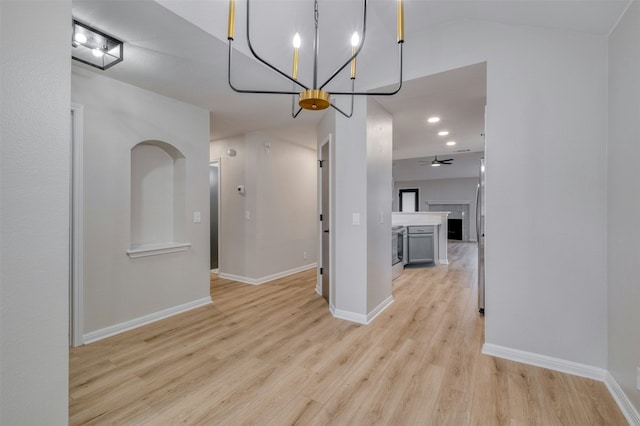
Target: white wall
[[231, 233], [457, 189], [623, 175], [546, 218], [325, 132], [379, 181], [34, 211], [117, 117], [350, 189], [362, 181], [286, 211], [268, 230]]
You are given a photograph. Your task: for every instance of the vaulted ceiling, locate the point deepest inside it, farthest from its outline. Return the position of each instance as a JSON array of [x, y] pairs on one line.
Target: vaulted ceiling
[[179, 49]]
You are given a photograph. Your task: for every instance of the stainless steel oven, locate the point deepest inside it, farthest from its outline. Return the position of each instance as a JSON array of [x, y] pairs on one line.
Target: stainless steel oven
[[397, 251]]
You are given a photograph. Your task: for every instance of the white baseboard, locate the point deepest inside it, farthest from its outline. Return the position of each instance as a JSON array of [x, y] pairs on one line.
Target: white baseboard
[[262, 280], [443, 262], [570, 367], [361, 318], [627, 408], [378, 309], [103, 333], [544, 361], [350, 316]]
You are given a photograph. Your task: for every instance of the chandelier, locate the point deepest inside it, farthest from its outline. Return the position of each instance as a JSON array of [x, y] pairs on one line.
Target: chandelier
[[313, 96]]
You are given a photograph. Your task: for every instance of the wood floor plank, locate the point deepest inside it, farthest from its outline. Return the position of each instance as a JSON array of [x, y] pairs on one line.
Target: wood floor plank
[[273, 355]]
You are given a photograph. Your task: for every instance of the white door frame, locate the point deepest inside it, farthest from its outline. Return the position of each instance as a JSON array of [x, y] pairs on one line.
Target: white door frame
[[76, 311], [328, 140]]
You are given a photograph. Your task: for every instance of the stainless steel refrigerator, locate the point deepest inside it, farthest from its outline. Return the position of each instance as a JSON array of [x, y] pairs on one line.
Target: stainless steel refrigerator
[[480, 209]]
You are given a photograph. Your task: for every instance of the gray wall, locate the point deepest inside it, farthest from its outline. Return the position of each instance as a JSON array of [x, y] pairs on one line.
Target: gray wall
[[546, 99], [267, 230], [34, 211], [117, 117], [623, 175]]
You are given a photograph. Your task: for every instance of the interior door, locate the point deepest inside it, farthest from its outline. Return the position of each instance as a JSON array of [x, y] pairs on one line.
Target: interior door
[[326, 264], [213, 216]]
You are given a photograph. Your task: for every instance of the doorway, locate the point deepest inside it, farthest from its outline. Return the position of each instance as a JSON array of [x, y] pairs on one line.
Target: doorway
[[409, 200], [76, 227], [325, 220], [214, 214]]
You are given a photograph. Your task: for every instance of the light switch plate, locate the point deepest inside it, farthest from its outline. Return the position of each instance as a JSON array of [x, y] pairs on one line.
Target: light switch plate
[[196, 217], [355, 219]]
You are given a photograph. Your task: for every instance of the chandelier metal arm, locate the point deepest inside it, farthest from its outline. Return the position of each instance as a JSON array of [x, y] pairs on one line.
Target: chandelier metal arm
[[364, 36], [294, 113], [342, 112], [393, 92], [274, 68], [235, 89], [339, 110]]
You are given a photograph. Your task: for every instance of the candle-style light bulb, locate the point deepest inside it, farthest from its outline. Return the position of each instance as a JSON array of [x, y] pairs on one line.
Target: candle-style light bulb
[[355, 41], [232, 14], [296, 46], [400, 21]]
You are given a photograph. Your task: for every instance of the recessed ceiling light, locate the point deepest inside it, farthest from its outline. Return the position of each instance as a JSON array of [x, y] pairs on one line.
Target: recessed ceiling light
[[433, 119], [451, 143], [443, 133]]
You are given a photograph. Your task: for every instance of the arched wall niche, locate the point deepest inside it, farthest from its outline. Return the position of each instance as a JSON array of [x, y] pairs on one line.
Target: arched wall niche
[[157, 199]]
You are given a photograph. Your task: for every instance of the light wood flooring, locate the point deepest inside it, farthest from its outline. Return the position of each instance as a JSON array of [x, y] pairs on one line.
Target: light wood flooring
[[273, 355]]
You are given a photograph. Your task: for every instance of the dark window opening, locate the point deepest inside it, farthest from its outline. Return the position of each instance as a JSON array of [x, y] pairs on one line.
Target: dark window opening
[[455, 229]]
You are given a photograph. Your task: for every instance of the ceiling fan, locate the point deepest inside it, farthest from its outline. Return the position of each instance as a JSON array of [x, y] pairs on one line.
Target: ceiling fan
[[436, 163]]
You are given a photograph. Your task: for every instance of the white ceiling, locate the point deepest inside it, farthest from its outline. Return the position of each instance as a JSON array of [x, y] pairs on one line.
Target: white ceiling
[[178, 48], [457, 97], [466, 165]]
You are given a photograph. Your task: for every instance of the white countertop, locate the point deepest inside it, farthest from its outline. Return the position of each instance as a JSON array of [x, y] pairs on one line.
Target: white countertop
[[418, 218]]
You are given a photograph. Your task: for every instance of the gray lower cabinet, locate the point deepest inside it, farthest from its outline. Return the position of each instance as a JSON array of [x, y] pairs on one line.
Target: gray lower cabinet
[[421, 248]]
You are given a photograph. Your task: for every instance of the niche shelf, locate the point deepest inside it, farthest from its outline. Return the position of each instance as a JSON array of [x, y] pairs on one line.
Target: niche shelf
[[158, 188]]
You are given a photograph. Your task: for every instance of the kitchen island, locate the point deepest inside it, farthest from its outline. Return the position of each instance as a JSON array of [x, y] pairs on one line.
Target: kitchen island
[[436, 219]]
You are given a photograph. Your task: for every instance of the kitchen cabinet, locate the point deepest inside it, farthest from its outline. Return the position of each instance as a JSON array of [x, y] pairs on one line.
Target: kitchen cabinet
[[437, 220], [421, 244]]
